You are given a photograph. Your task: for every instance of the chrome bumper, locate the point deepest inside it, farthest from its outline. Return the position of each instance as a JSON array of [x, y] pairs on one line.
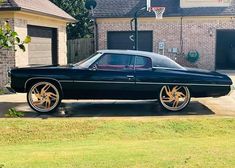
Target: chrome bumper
[[232, 89]]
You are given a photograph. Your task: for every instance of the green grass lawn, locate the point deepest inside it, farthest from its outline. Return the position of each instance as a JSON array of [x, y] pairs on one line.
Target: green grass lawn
[[116, 143]]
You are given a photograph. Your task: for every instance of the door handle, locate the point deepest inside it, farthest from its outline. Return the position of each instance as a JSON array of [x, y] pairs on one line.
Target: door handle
[[130, 77]]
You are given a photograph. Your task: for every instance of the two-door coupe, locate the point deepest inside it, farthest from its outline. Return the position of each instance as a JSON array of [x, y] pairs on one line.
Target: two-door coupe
[[118, 74]]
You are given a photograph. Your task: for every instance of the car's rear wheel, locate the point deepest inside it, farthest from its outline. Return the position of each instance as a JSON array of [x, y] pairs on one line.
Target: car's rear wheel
[[174, 98], [44, 97]]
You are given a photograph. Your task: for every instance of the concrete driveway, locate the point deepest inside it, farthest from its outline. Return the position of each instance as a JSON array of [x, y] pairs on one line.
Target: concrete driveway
[[223, 106]]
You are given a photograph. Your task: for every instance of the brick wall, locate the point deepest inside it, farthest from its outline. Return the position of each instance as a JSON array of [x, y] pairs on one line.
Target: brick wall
[[7, 60], [198, 33]]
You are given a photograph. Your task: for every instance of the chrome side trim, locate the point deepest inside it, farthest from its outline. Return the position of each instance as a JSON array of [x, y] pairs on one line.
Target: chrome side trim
[[186, 84], [144, 83], [66, 81], [166, 68], [42, 78], [115, 82], [69, 81]]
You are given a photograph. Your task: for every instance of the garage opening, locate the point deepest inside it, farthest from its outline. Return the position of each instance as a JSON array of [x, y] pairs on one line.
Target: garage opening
[[125, 40], [43, 49], [225, 49]]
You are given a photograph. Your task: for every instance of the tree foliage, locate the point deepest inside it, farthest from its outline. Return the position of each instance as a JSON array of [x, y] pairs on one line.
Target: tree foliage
[[9, 38], [76, 8]]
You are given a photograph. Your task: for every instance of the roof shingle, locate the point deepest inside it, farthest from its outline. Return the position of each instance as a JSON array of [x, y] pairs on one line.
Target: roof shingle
[[124, 8], [8, 5], [36, 6]]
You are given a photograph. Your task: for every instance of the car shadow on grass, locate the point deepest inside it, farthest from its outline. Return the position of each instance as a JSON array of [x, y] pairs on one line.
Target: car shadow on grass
[[109, 109]]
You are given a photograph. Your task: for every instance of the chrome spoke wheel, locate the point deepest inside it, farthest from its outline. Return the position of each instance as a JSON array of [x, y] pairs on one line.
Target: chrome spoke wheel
[[43, 97], [174, 98]]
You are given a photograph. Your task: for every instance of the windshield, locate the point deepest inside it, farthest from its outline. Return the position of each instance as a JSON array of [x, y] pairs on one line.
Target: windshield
[[86, 63]]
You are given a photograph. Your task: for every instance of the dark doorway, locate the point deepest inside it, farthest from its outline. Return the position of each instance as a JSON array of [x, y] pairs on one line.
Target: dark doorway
[[125, 40], [43, 49], [225, 49]]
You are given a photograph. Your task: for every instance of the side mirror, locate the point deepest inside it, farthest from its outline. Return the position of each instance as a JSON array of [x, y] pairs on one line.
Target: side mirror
[[154, 68], [93, 68]]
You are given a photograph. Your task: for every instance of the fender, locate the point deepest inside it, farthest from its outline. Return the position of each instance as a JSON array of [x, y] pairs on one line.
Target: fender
[[44, 78]]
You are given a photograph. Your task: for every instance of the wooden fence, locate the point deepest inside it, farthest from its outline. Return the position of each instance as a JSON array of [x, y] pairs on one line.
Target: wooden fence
[[79, 49]]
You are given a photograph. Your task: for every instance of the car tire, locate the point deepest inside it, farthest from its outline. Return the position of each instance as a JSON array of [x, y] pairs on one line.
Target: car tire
[[174, 98], [44, 97]]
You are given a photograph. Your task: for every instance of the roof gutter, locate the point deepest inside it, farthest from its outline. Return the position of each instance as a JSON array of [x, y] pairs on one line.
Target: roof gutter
[[10, 9], [70, 20]]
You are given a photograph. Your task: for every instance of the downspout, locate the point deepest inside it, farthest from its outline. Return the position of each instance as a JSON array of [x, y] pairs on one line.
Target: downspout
[[181, 36], [96, 35]]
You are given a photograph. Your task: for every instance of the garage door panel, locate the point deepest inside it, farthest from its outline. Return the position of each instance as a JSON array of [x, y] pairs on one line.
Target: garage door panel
[[37, 61], [225, 49], [125, 40], [40, 54], [39, 40], [41, 58], [40, 47], [37, 31]]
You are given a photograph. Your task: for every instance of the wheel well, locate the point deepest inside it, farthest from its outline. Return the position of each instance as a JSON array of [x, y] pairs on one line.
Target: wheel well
[[189, 88], [31, 82]]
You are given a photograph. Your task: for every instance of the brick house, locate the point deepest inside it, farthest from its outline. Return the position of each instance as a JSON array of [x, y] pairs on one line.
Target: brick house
[[205, 26], [45, 23]]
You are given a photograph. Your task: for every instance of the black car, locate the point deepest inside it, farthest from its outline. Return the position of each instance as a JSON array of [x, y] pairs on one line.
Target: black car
[[117, 74]]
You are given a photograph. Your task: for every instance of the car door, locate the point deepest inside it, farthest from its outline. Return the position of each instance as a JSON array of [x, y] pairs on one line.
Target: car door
[[110, 77], [144, 74]]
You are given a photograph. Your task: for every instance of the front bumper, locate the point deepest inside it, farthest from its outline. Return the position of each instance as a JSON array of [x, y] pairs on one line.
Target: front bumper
[[232, 89]]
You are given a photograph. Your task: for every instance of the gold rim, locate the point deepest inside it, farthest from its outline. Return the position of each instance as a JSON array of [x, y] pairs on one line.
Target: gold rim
[[44, 97], [174, 98]]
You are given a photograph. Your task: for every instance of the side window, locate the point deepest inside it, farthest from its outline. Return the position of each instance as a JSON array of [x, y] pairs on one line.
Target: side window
[[116, 62], [143, 63]]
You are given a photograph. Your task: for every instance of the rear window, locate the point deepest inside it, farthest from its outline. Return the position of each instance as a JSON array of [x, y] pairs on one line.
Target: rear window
[[165, 62]]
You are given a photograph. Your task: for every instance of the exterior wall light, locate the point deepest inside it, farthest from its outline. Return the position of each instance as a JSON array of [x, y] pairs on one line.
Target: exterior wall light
[[210, 31]]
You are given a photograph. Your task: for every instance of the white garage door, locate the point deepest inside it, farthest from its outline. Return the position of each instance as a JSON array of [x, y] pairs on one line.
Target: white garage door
[[41, 46]]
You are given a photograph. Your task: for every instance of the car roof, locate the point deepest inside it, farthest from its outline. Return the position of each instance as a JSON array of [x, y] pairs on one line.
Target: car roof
[[156, 58], [132, 52]]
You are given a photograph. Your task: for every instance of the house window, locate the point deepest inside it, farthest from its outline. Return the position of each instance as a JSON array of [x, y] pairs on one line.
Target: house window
[[204, 3]]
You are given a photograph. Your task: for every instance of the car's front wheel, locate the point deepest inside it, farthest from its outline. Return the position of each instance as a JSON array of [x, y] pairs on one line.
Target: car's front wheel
[[44, 97], [174, 98]]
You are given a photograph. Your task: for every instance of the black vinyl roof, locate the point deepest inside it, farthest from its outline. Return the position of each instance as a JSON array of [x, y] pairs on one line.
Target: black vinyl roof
[[157, 59], [127, 8]]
